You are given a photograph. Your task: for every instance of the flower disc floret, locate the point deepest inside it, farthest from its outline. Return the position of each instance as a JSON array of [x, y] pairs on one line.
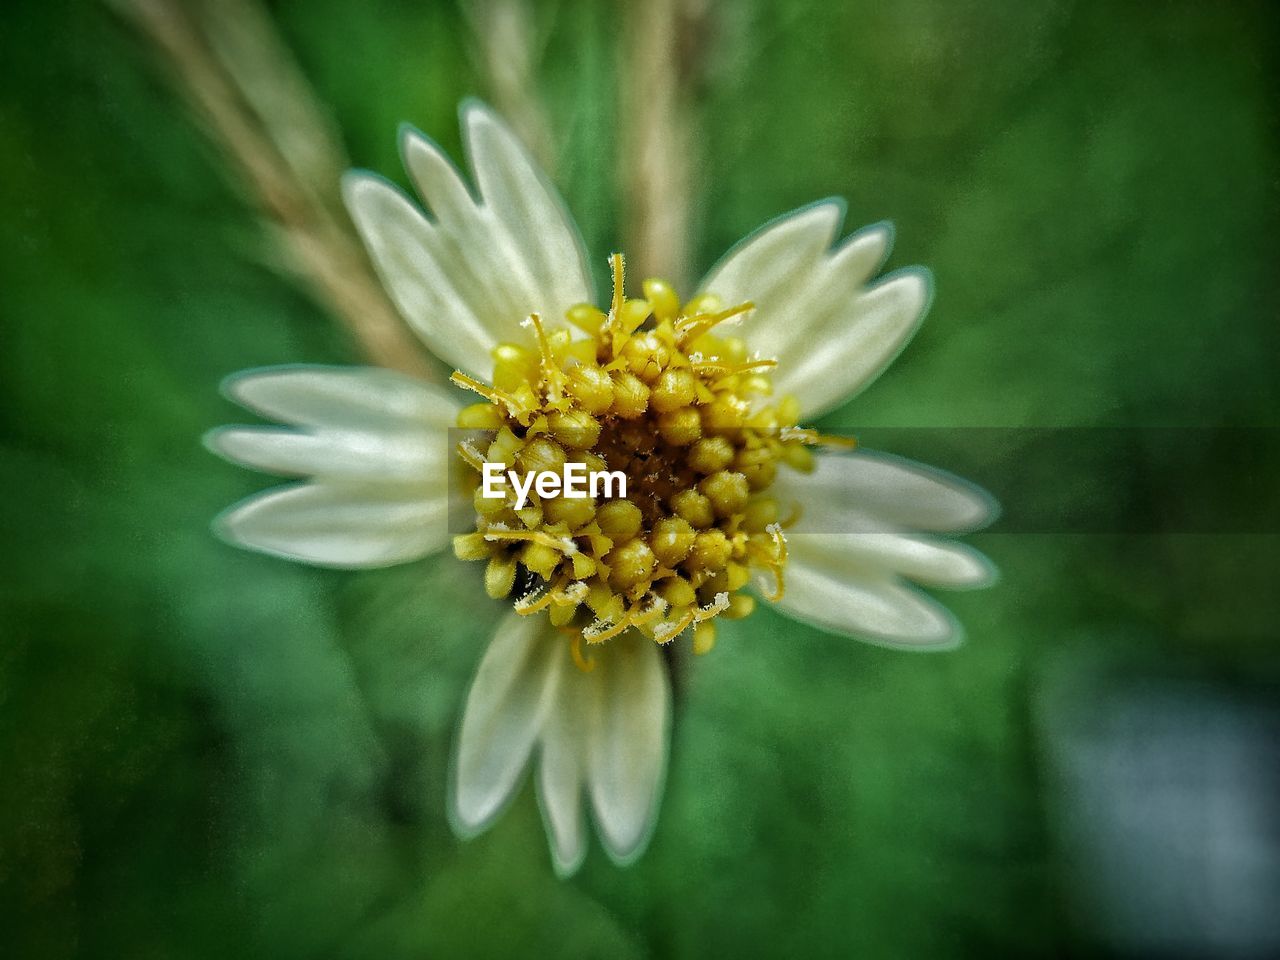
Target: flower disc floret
[[655, 389]]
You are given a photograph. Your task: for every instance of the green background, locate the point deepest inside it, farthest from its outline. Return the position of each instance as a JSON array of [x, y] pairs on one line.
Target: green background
[[209, 753]]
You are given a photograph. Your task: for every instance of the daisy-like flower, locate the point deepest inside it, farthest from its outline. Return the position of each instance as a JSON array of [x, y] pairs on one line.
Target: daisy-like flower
[[700, 404]]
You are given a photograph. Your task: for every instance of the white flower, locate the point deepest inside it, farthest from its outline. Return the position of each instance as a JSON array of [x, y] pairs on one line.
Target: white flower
[[707, 430]]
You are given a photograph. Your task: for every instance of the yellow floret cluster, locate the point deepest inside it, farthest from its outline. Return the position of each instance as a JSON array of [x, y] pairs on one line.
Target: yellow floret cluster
[[656, 390]]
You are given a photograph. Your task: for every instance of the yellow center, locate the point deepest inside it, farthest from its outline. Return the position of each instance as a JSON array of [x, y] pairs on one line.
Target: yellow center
[[655, 390]]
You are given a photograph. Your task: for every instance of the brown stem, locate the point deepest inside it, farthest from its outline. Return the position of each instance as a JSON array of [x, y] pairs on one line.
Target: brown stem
[[509, 50], [657, 143], [236, 74]]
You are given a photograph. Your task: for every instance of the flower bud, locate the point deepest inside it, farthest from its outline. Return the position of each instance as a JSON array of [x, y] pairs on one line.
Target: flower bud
[[671, 541], [630, 564], [541, 454], [710, 454], [591, 386], [574, 428], [711, 551], [630, 396], [619, 520], [662, 298], [758, 465], [674, 389], [693, 507], [680, 427], [500, 576], [727, 491]]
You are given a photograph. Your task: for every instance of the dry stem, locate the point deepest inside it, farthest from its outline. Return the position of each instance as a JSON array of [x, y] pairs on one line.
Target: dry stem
[[237, 75]]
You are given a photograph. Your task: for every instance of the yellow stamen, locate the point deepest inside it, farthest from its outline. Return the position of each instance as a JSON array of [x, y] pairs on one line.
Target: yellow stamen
[[689, 329], [668, 630], [563, 544], [552, 375], [575, 650], [797, 511], [813, 438], [492, 394], [617, 267], [730, 369], [470, 455], [534, 601], [600, 630], [656, 608], [704, 637], [776, 562], [718, 605]]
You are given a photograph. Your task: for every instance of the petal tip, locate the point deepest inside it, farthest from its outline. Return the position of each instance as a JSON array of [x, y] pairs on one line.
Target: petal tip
[[468, 816], [917, 284], [828, 214], [625, 848], [474, 116], [471, 808], [250, 389], [226, 524], [354, 184], [567, 853], [565, 869], [882, 232], [836, 207], [214, 440], [232, 386], [407, 133], [363, 191]]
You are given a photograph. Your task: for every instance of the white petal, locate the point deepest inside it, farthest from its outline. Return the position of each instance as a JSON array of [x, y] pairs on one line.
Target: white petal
[[387, 455], [866, 492], [513, 691], [523, 199], [433, 282], [342, 524], [852, 340], [877, 610], [342, 397], [830, 334], [855, 542], [628, 748], [937, 563], [774, 261], [466, 279], [561, 772]]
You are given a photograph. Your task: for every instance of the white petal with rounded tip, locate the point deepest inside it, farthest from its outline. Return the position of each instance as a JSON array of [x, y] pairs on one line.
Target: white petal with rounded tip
[[507, 706], [604, 730], [426, 275], [523, 199], [878, 610], [855, 541], [864, 492], [627, 752], [342, 524], [936, 563], [342, 397], [830, 334], [561, 772], [774, 262], [467, 278], [378, 456]]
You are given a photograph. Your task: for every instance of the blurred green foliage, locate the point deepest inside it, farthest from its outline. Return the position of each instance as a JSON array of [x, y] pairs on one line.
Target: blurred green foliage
[[210, 753]]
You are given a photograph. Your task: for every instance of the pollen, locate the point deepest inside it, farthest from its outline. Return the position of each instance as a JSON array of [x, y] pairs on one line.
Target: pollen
[[663, 392]]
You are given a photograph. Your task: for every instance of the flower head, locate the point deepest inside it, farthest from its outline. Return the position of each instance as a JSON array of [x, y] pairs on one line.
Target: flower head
[[700, 405], [659, 393]]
